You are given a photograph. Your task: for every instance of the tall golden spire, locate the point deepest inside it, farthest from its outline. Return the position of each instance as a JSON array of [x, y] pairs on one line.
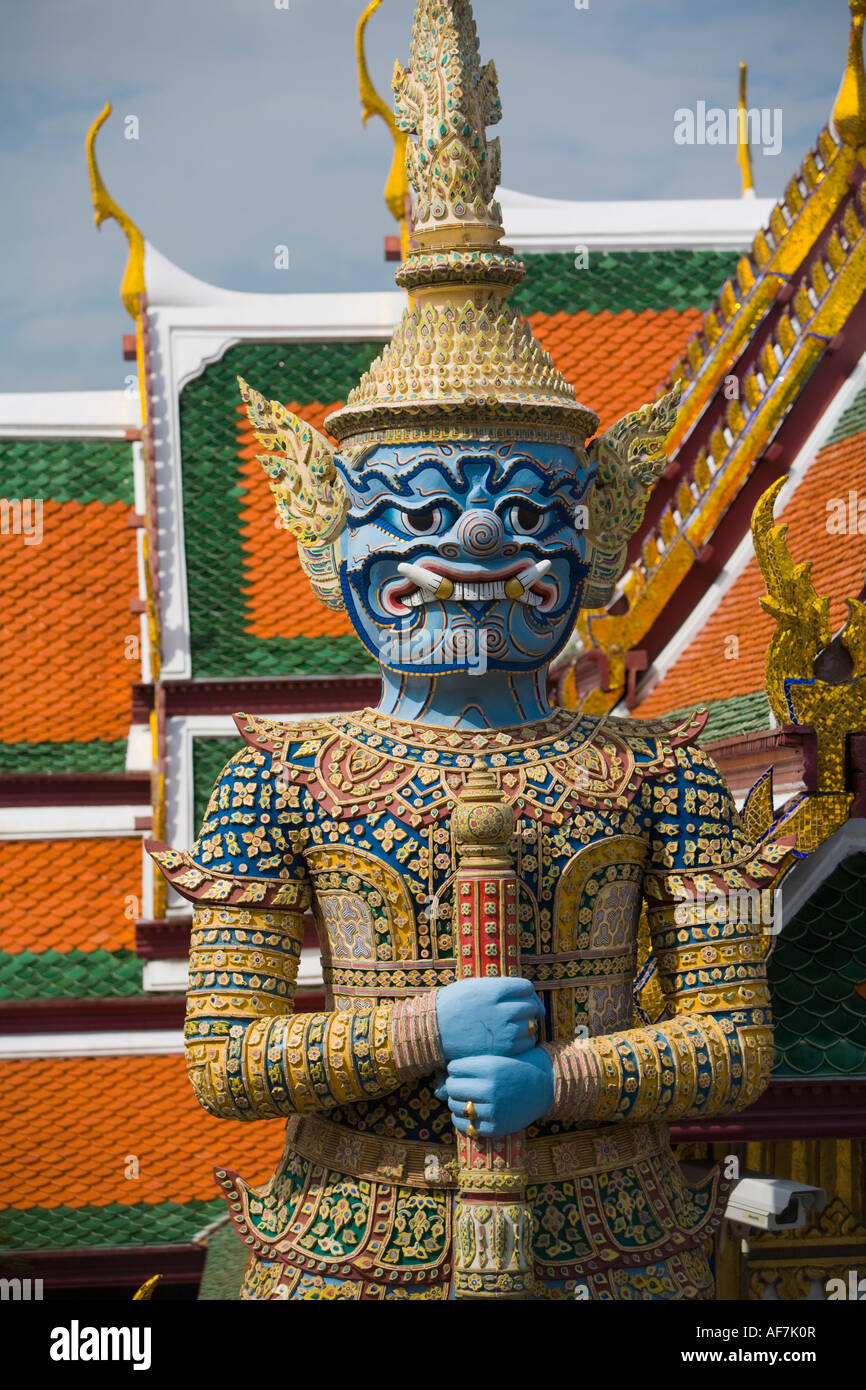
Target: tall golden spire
[[744, 150], [397, 183], [849, 112], [462, 363], [104, 207]]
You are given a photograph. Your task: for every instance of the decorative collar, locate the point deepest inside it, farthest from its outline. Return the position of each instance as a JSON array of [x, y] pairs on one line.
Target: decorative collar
[[367, 763]]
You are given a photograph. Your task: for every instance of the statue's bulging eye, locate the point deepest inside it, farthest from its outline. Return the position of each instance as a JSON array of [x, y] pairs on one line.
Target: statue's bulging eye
[[526, 520], [425, 522]]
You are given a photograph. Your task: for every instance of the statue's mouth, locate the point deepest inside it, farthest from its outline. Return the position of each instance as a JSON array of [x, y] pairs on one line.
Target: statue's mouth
[[432, 580]]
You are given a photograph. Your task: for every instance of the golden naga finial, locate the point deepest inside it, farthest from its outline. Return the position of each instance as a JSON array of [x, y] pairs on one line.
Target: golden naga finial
[[849, 111], [147, 1289], [397, 183], [104, 206], [802, 617], [812, 677], [744, 150]]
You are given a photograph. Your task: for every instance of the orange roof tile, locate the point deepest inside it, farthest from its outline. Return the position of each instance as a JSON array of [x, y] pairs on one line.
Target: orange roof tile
[[66, 895], [616, 362], [72, 1124], [838, 566], [64, 612]]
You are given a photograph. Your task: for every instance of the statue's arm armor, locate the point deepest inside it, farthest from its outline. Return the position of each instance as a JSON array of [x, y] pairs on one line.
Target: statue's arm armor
[[249, 1055], [712, 1051]]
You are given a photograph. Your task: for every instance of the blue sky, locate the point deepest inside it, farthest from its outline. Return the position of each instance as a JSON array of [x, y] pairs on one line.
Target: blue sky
[[250, 136]]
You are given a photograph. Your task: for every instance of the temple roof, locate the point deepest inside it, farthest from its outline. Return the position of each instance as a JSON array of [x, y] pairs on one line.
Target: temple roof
[[759, 377]]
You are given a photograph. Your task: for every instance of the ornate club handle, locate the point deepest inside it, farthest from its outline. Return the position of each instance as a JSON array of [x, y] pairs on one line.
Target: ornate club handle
[[493, 1224]]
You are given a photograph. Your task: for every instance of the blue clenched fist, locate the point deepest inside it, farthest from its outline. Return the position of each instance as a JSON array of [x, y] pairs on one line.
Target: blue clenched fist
[[508, 1093], [488, 1016]]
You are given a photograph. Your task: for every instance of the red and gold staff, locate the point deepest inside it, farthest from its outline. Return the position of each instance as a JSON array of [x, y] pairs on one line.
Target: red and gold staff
[[493, 1224]]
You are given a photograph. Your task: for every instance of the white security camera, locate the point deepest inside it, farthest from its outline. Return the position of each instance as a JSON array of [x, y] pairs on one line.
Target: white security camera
[[773, 1204]]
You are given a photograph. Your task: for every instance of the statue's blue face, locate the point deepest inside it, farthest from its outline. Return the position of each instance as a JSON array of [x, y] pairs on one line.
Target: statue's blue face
[[472, 521]]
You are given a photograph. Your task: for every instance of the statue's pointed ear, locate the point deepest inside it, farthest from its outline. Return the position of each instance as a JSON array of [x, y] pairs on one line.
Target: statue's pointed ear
[[310, 498], [629, 457], [300, 465]]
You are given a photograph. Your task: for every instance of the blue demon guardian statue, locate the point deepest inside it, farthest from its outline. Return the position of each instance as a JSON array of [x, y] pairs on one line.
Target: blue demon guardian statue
[[480, 1035]]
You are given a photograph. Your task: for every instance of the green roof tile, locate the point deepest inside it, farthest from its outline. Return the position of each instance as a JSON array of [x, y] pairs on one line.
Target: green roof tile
[[209, 757], [67, 470], [69, 974], [623, 280], [142, 1223], [225, 1265], [98, 756], [819, 958], [852, 420], [739, 714]]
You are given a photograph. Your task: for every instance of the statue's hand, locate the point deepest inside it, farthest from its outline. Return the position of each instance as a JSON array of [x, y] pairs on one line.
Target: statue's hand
[[508, 1093], [487, 1016]]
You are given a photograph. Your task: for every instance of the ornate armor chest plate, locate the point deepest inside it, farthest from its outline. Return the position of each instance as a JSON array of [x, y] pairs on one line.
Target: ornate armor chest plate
[[367, 802]]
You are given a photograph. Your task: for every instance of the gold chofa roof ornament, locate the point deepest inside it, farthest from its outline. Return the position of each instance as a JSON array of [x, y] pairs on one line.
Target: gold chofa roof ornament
[[849, 109], [462, 363]]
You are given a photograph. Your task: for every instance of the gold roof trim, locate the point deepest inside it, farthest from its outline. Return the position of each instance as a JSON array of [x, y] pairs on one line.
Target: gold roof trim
[[821, 290], [827, 291], [796, 222]]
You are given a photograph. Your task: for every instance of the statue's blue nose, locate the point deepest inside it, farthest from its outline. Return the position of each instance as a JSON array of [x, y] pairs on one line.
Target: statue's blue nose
[[480, 532]]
